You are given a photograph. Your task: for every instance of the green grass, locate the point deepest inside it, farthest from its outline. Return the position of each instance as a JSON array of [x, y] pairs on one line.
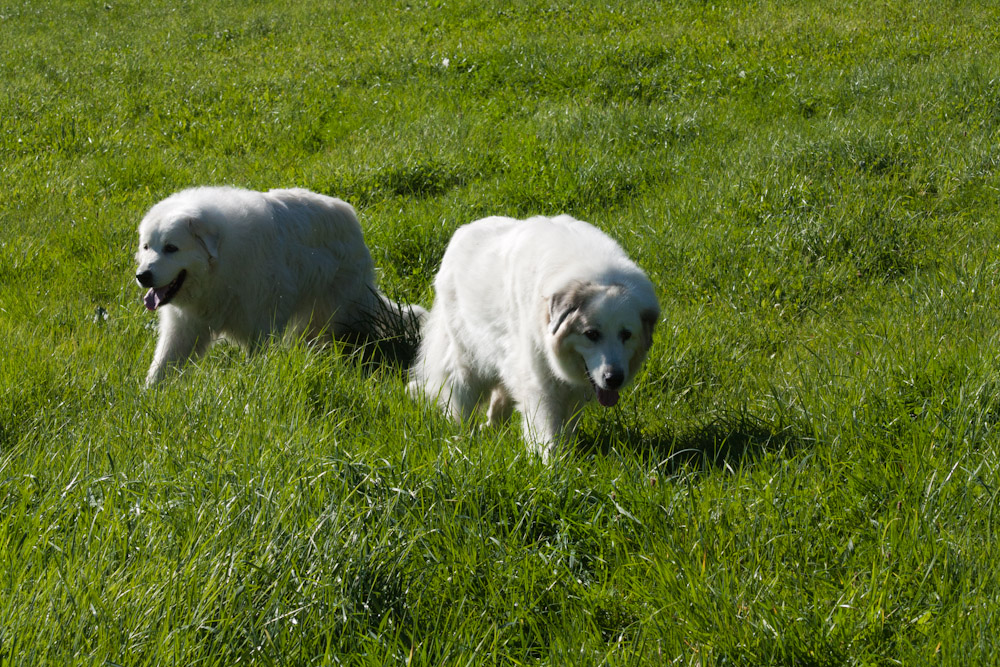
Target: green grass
[[806, 473]]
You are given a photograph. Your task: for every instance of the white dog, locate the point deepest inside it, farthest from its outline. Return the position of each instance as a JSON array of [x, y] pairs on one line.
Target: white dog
[[541, 314], [223, 262]]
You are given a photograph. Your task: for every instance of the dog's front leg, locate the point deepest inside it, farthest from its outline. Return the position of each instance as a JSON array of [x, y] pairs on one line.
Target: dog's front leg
[[181, 338], [543, 425]]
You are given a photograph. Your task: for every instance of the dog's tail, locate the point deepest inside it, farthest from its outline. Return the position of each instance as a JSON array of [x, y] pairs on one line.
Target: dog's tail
[[392, 319], [387, 330]]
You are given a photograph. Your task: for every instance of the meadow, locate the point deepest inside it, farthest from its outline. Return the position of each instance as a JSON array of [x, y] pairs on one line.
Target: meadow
[[805, 473]]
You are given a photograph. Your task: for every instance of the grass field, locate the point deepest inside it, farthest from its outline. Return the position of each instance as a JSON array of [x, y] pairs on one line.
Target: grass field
[[806, 473]]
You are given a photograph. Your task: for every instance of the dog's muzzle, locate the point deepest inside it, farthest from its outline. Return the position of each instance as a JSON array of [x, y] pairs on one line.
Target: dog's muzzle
[[159, 296], [607, 392], [145, 278]]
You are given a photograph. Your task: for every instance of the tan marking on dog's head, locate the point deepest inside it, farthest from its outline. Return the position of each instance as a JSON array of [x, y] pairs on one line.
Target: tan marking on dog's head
[[564, 303], [649, 319], [601, 333]]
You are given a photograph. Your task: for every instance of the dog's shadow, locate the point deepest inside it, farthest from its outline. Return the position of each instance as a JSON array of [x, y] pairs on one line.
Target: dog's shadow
[[727, 441]]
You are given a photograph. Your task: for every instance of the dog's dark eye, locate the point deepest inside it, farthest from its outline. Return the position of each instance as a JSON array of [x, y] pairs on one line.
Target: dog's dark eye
[[625, 335], [145, 246], [169, 248], [592, 335]]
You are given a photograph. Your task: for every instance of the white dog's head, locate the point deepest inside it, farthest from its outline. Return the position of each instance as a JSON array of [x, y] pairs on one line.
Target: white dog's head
[[599, 334], [176, 247]]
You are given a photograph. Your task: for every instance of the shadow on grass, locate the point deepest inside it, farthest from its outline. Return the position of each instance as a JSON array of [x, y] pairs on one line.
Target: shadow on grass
[[728, 441]]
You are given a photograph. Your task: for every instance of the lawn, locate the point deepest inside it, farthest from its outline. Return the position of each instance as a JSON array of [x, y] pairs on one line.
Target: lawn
[[805, 473]]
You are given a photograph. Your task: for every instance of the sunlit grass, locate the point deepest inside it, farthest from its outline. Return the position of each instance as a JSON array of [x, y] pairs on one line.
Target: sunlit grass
[[805, 473]]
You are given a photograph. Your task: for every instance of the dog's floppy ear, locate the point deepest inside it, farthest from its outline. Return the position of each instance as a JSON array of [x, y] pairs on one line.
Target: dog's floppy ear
[[564, 303], [207, 237], [648, 318]]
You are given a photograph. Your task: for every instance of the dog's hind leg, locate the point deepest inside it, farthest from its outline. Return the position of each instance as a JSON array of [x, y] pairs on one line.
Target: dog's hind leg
[[181, 338], [455, 396], [439, 372], [501, 407], [465, 391]]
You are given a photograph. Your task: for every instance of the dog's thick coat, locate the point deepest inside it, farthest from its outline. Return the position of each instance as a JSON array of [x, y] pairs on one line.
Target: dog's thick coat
[[542, 315], [223, 262]]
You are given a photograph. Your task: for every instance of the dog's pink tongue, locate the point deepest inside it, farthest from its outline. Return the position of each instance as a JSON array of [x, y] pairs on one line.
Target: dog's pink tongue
[[152, 300], [607, 397]]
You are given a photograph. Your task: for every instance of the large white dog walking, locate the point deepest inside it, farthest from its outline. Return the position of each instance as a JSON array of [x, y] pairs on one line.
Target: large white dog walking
[[229, 263], [542, 315]]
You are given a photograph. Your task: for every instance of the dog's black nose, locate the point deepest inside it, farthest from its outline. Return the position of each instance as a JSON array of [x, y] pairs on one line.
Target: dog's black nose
[[613, 379], [145, 278]]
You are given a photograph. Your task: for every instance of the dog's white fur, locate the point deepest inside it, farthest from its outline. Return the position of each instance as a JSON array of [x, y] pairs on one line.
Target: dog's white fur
[[252, 265], [542, 315]]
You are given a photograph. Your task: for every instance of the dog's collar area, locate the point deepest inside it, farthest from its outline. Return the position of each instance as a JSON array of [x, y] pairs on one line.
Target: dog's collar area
[[161, 296]]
